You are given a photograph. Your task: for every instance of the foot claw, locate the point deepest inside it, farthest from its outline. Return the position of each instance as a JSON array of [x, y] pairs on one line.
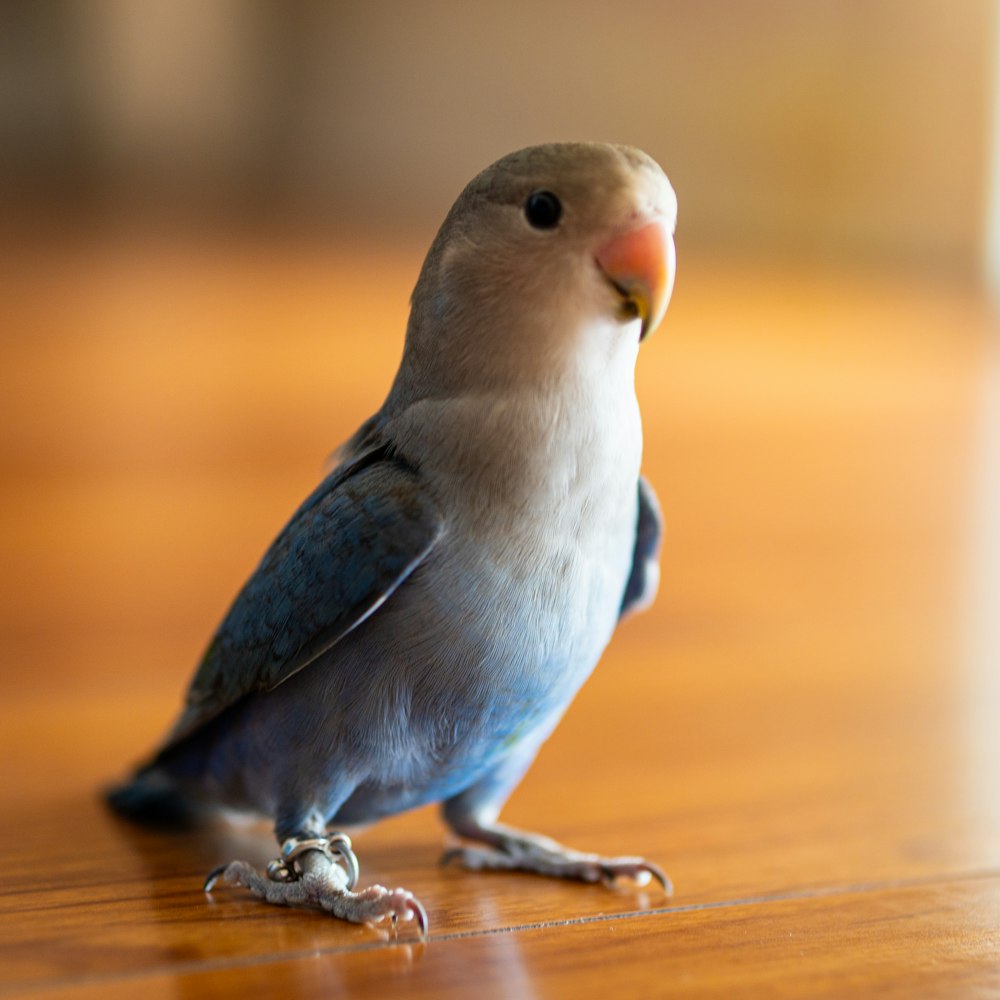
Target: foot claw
[[450, 855], [660, 876], [638, 871], [418, 912], [213, 876]]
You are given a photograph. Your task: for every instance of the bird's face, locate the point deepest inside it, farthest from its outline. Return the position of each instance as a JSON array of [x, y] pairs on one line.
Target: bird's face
[[552, 249]]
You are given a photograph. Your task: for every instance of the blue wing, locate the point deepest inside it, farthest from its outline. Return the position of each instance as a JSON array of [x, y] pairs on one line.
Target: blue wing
[[344, 552], [645, 576]]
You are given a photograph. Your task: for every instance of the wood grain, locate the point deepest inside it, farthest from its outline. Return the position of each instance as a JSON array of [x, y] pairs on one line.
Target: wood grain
[[939, 940], [802, 731]]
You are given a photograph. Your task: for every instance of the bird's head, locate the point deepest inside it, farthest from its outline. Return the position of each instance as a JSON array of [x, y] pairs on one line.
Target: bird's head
[[552, 252]]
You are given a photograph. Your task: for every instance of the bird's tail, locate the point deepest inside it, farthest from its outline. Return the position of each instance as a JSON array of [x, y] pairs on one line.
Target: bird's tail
[[152, 798]]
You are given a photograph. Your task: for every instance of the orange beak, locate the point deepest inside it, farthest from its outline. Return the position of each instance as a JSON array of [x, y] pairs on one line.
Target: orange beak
[[640, 264]]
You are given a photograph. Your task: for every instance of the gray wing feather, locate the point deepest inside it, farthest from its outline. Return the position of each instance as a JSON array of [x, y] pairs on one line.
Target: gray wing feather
[[645, 576], [345, 551]]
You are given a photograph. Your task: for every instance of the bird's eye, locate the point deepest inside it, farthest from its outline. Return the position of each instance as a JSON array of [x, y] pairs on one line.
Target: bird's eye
[[543, 210]]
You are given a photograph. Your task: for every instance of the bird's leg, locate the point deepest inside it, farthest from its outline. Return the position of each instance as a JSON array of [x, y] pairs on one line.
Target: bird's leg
[[318, 870], [472, 816]]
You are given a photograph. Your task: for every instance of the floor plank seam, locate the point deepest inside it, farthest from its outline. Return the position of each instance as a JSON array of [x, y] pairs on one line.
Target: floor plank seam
[[249, 961]]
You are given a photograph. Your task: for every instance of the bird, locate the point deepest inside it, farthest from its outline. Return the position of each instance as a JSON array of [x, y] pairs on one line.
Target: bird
[[419, 626]]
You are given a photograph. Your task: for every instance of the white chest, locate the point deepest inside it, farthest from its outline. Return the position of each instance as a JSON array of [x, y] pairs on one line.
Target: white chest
[[540, 493]]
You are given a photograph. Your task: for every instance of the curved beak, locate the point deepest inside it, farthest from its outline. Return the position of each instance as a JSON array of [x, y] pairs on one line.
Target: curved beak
[[640, 263]]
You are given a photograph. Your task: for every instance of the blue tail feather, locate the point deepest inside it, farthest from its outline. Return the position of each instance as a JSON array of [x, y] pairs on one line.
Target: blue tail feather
[[152, 799]]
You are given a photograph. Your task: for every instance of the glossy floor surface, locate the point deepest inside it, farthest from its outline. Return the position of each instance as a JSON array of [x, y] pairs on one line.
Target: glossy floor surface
[[804, 730]]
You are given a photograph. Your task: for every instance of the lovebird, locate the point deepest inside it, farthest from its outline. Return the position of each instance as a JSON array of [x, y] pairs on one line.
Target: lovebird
[[422, 622]]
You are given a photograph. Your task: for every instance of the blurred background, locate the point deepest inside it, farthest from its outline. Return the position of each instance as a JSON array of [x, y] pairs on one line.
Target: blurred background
[[212, 213], [841, 128]]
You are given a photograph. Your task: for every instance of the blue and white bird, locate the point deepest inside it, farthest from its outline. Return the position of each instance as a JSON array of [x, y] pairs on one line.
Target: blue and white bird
[[422, 622]]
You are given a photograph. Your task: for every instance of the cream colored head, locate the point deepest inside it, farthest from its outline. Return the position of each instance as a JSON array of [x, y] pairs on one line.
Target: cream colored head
[[551, 251]]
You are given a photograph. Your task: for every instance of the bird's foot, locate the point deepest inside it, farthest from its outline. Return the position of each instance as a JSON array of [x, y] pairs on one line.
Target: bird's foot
[[322, 871], [511, 850]]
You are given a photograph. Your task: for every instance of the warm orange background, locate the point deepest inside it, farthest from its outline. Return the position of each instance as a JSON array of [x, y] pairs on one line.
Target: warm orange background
[[195, 309]]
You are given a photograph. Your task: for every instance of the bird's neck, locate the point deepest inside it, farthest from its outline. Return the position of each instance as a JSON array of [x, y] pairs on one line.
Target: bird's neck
[[516, 438]]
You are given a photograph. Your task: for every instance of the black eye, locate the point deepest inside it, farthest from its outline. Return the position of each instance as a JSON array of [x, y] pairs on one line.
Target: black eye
[[543, 210]]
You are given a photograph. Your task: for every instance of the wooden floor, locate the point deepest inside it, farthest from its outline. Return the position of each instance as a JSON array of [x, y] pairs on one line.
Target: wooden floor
[[804, 731]]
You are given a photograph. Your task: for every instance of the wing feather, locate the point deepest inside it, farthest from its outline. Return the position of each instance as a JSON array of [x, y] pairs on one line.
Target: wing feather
[[644, 579], [348, 547]]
